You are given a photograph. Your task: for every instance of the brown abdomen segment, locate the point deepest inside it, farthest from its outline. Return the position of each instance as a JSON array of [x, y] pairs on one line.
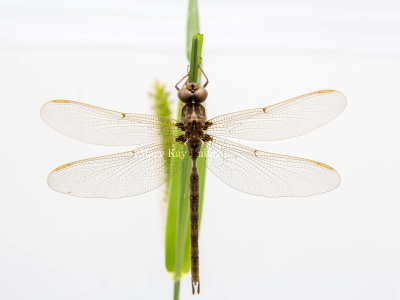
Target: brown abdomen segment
[[194, 227]]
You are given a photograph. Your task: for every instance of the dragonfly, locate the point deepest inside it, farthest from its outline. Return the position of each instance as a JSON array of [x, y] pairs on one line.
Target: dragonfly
[[145, 168]]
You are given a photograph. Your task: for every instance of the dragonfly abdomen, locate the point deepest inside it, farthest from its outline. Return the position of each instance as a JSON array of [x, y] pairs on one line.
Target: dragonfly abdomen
[[194, 226], [193, 118]]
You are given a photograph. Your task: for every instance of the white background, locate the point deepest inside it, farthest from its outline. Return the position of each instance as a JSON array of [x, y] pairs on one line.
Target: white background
[[341, 245]]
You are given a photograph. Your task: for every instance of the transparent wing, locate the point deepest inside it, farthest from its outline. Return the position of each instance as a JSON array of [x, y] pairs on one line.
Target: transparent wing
[[267, 174], [118, 175], [283, 120], [101, 126]]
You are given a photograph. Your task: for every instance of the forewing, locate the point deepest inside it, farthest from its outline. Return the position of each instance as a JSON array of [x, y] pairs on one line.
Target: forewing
[[283, 120], [267, 174], [101, 126], [119, 175]]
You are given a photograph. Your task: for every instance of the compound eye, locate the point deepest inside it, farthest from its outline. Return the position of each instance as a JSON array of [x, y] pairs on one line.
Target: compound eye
[[200, 95], [185, 95]]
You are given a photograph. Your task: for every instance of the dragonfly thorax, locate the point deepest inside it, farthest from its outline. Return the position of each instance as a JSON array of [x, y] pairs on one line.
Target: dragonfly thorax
[[193, 118], [192, 93]]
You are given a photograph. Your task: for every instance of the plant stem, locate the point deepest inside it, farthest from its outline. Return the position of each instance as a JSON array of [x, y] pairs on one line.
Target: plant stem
[[176, 290], [192, 26], [195, 58]]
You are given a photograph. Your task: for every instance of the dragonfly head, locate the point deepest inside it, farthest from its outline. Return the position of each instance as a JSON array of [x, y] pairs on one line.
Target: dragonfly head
[[192, 92]]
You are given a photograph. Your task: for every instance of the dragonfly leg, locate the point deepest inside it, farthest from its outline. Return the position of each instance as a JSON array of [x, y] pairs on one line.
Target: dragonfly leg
[[179, 125], [201, 69], [207, 125], [176, 85], [181, 138], [207, 138]]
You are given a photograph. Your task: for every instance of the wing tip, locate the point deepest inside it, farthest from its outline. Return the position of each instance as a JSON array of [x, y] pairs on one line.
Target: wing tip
[[46, 105], [341, 94], [43, 111], [339, 178]]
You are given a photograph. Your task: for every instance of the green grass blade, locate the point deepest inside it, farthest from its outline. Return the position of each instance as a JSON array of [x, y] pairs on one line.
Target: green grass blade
[[175, 227], [192, 26]]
